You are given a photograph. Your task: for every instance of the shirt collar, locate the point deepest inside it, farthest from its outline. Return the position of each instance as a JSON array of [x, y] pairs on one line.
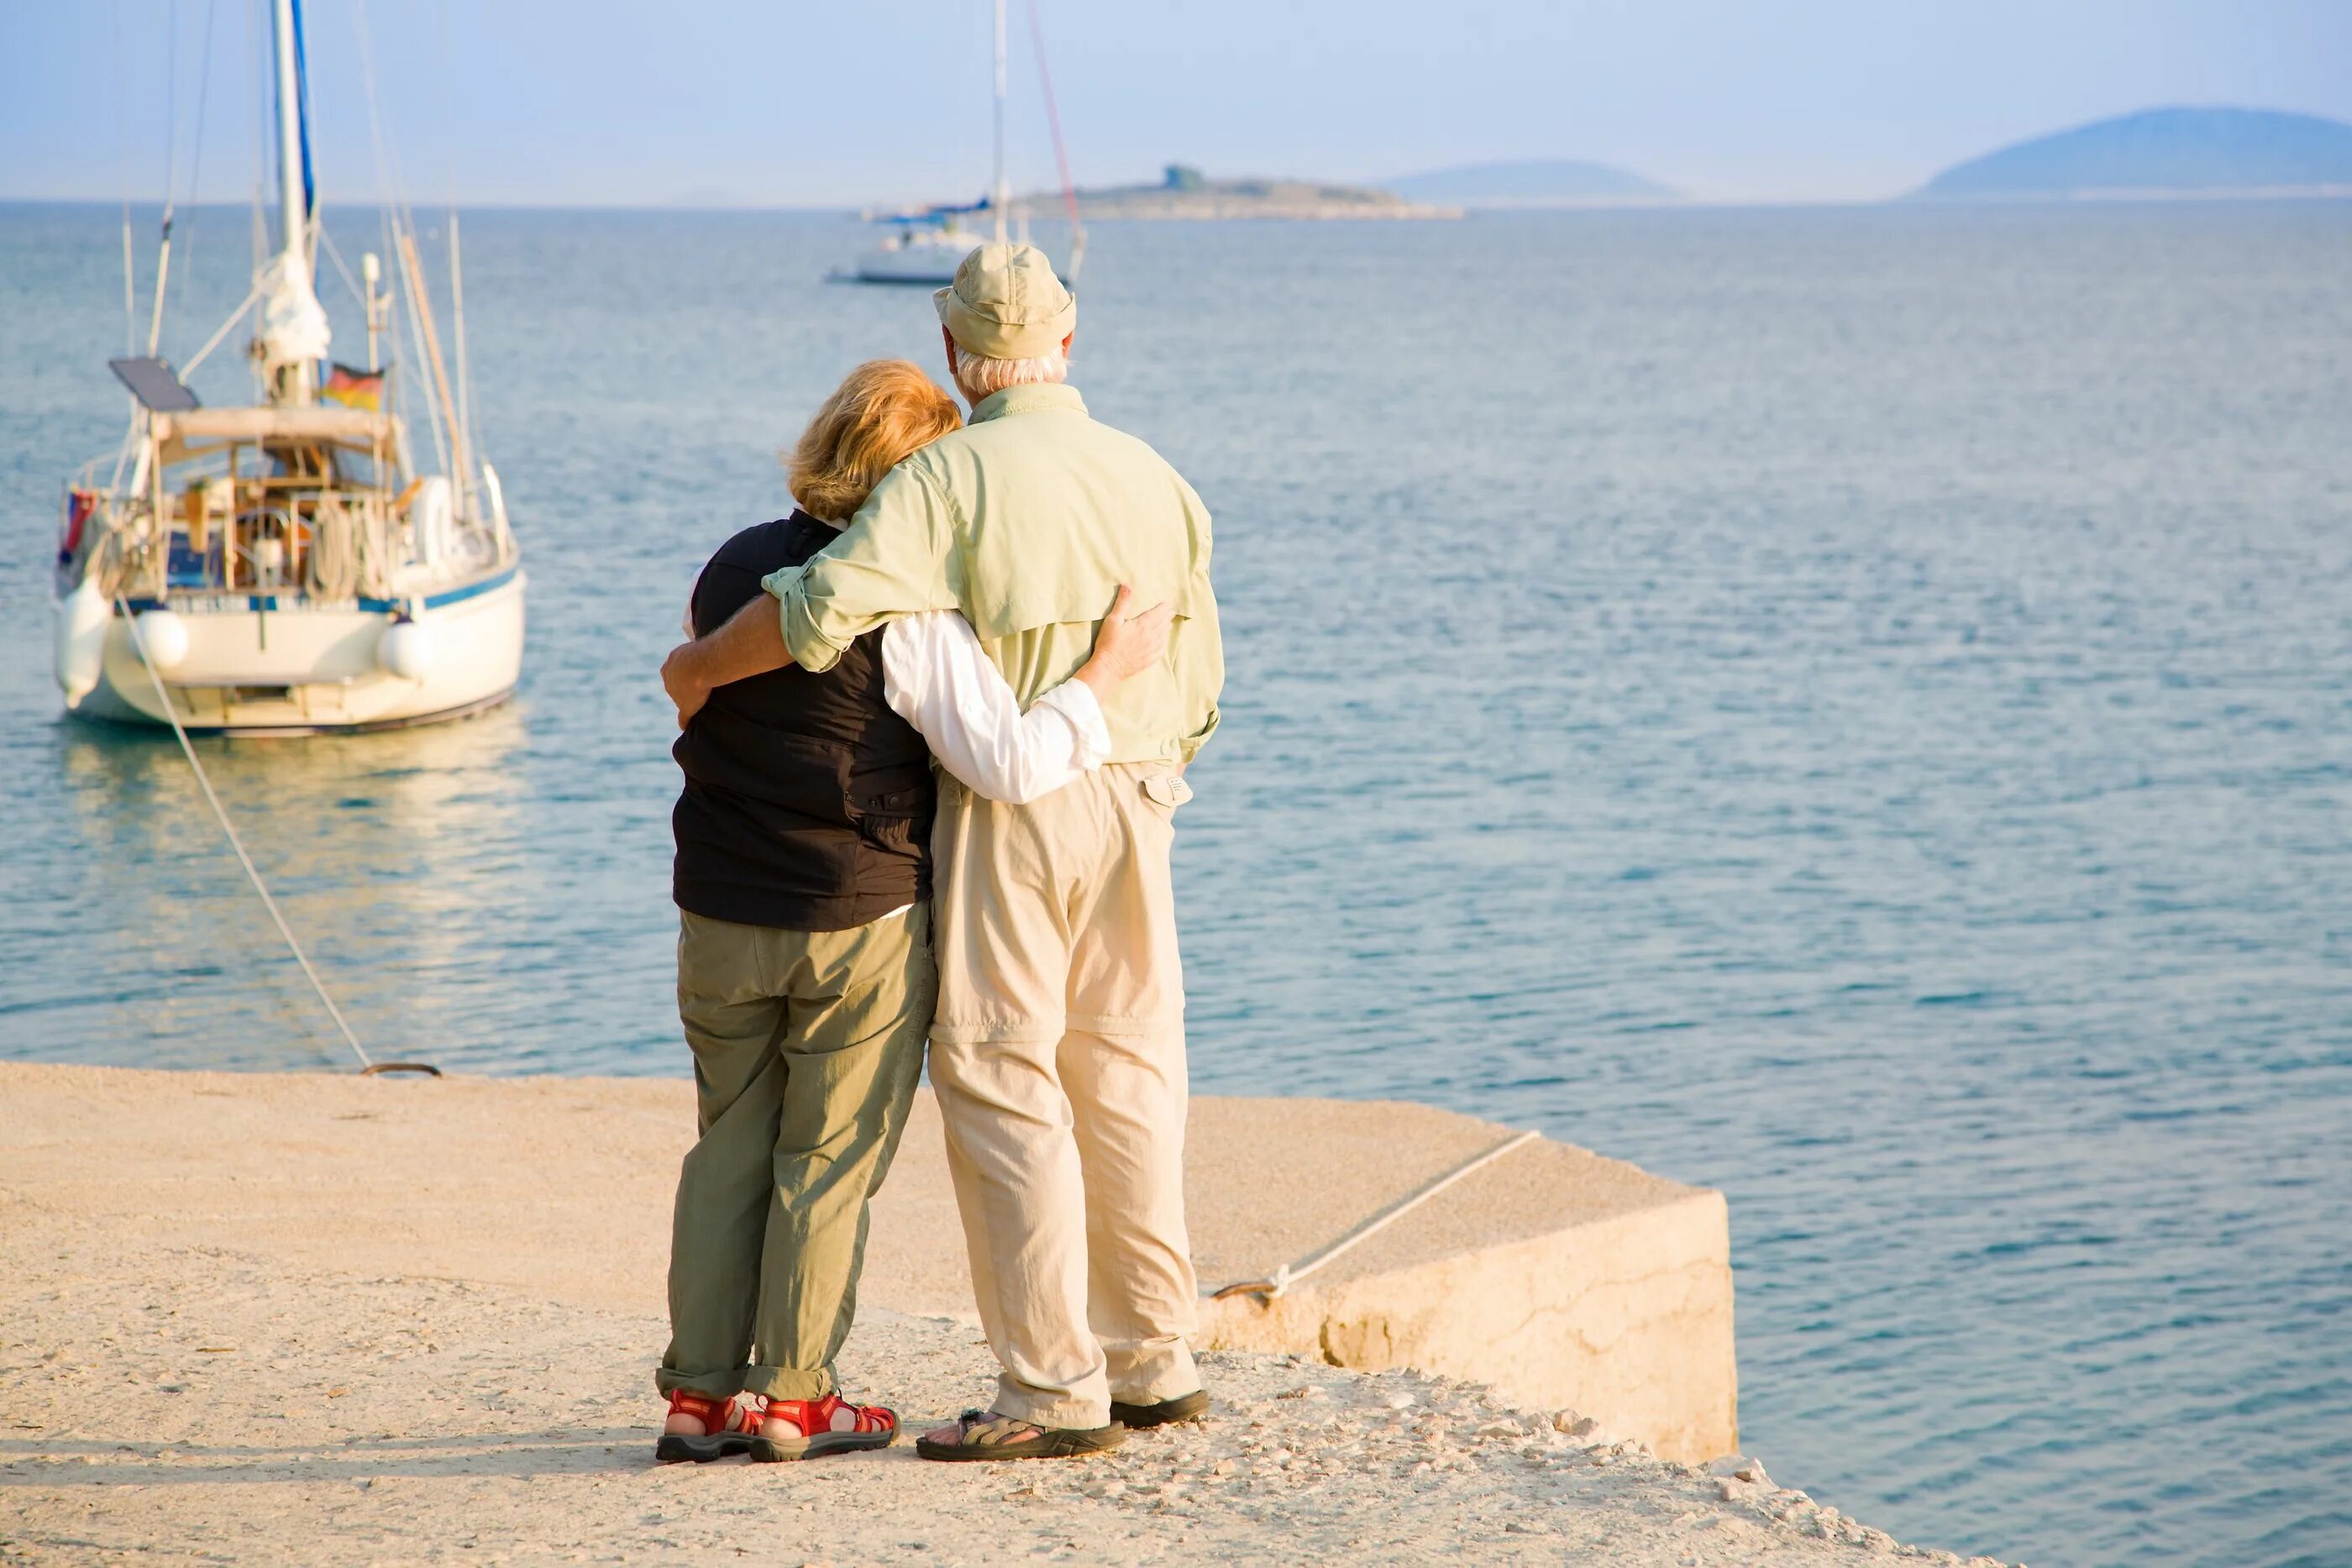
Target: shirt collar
[[1028, 398]]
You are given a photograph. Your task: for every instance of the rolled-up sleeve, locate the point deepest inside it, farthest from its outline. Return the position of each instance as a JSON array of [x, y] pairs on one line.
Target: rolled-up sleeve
[[892, 559]]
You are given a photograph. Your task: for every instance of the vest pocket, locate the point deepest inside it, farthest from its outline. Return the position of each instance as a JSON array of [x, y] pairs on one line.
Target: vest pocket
[[792, 772], [893, 806]]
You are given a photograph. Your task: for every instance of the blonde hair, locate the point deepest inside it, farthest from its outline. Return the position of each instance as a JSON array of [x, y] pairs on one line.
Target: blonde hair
[[978, 376], [883, 410]]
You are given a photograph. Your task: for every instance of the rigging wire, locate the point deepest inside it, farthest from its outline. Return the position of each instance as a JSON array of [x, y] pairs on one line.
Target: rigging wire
[[130, 287], [257, 61], [465, 417], [171, 169], [171, 101], [1061, 152], [466, 439], [343, 268], [400, 226], [386, 221], [214, 340], [196, 153], [122, 157]]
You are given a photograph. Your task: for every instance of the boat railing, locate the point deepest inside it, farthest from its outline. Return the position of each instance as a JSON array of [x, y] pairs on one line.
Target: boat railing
[[305, 527]]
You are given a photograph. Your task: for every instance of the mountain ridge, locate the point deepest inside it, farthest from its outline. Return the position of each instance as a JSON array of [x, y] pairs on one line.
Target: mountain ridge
[[2169, 149]]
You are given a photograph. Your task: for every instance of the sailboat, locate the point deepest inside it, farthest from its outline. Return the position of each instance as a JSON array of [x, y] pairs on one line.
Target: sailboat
[[291, 567], [926, 244]]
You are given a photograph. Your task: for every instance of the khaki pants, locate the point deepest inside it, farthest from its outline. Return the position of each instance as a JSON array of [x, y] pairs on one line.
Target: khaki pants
[[1058, 1059], [807, 1046]]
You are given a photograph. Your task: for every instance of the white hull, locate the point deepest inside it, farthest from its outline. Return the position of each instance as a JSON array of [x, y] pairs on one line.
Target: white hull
[[931, 266], [284, 664], [284, 566], [926, 259]]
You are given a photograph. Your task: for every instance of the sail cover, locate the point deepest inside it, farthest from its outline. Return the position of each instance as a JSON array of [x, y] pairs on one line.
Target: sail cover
[[293, 323]]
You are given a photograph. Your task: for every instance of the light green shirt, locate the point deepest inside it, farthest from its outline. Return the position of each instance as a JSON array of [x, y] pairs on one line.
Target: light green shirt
[[1027, 520]]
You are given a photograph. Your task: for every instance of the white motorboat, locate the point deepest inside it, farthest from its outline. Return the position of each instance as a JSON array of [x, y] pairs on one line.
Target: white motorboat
[[289, 567], [926, 245]]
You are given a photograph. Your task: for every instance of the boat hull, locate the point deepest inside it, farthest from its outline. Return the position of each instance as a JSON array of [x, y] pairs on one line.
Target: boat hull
[[285, 666], [911, 268]]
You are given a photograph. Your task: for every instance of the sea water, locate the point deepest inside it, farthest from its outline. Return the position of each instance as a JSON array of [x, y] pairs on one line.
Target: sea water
[[1849, 707]]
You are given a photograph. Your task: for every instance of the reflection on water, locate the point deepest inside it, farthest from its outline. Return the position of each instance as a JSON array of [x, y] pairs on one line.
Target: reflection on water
[[383, 851]]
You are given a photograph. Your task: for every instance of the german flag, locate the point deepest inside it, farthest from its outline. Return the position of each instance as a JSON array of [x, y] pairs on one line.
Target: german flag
[[354, 388]]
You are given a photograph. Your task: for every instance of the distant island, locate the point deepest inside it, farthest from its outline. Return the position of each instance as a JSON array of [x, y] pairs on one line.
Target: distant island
[[1183, 192], [1543, 182], [2166, 152]]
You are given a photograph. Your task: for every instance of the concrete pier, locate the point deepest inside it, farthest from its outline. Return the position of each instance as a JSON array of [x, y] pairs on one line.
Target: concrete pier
[[1561, 1277]]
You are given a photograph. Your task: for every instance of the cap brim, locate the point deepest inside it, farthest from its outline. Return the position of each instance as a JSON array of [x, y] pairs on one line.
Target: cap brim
[[994, 339]]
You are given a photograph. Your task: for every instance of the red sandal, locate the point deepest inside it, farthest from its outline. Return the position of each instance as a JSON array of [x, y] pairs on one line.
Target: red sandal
[[728, 1426], [828, 1426]]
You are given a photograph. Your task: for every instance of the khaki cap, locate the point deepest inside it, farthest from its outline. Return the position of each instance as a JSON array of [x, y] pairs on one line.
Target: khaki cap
[[1006, 303]]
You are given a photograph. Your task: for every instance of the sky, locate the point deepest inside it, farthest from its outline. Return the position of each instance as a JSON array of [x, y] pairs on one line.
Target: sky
[[784, 102]]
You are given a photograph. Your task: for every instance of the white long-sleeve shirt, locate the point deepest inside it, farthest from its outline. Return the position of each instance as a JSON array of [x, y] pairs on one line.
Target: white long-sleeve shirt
[[938, 678]]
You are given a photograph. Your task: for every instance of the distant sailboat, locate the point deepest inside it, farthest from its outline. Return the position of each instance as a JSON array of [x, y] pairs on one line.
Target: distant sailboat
[[926, 244], [289, 567]]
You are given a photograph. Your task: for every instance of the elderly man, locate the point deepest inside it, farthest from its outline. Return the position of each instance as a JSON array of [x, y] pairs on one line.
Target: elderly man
[[1057, 1049]]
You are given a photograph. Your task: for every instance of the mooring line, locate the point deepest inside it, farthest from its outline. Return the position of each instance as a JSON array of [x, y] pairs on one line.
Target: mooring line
[[1290, 1274], [368, 1064]]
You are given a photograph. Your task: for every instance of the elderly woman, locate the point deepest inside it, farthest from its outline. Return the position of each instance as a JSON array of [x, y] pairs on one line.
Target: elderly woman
[[805, 979]]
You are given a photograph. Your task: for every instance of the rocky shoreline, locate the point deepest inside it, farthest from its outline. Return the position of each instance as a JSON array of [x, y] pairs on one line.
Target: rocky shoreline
[[1187, 195]]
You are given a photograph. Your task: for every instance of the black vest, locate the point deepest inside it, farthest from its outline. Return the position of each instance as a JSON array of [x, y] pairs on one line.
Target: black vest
[[808, 802]]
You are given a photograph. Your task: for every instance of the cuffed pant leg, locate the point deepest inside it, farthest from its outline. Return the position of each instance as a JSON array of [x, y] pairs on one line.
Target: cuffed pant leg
[[724, 1185], [1123, 1064], [860, 1005], [1014, 1162], [1128, 1099]]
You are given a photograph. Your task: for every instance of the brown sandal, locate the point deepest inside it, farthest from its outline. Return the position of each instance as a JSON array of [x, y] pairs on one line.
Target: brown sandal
[[983, 1435], [1161, 1413]]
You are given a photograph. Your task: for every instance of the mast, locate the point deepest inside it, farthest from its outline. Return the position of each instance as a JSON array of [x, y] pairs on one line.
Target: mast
[[293, 384], [998, 196]]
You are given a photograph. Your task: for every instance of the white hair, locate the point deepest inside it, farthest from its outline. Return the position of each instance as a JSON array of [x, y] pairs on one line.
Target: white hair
[[979, 376]]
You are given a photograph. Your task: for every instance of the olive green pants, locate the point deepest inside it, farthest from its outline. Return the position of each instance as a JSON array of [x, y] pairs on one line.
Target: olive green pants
[[807, 1046]]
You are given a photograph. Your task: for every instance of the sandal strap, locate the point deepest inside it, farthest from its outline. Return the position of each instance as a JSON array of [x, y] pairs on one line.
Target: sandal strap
[[685, 1402], [815, 1415], [728, 1415], [971, 1418], [873, 1418]]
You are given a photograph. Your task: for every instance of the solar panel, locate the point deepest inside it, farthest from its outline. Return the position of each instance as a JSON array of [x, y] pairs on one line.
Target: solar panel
[[153, 384]]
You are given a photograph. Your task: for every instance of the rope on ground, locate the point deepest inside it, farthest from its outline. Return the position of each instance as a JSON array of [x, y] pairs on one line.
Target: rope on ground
[[368, 1065], [1290, 1274]]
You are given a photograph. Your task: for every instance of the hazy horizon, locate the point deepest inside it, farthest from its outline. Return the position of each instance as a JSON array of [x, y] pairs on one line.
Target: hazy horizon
[[529, 103]]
